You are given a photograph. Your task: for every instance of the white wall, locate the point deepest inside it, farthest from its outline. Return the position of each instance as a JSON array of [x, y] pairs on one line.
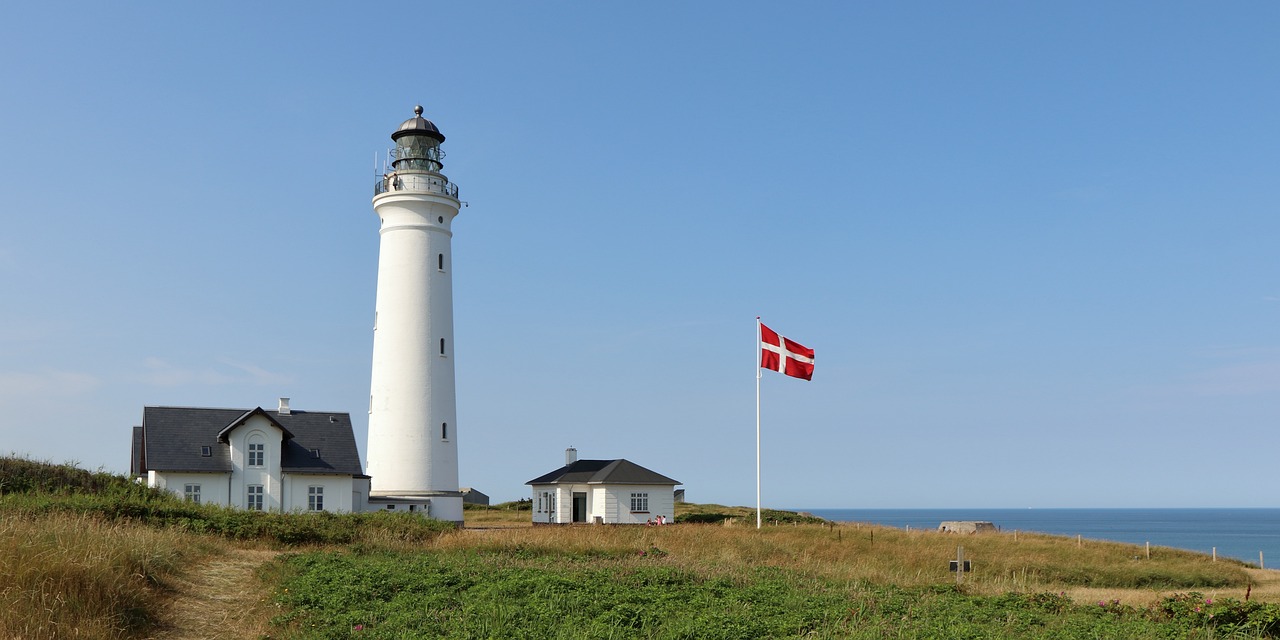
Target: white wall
[[412, 384], [297, 491], [360, 494], [268, 475], [617, 503], [544, 499], [213, 486], [610, 502]]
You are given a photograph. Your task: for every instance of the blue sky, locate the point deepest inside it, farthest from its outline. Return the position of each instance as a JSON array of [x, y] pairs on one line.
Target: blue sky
[[1034, 245]]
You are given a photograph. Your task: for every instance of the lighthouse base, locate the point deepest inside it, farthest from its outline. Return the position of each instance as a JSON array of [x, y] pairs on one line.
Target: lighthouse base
[[437, 505]]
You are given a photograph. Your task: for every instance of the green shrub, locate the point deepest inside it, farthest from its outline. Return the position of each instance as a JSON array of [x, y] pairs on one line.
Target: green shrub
[[702, 518]]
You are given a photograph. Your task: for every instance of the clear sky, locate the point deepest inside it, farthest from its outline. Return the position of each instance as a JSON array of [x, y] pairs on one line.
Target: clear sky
[[1034, 244]]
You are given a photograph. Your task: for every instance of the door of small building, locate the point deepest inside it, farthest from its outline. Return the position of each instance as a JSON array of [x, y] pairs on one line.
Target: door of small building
[[579, 507]]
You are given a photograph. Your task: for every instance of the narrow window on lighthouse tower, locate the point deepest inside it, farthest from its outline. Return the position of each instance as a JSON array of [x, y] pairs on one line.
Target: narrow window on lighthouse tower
[[444, 430], [442, 346], [440, 262]]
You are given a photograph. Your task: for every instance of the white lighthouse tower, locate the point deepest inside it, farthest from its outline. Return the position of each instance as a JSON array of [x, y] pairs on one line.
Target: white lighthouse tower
[[413, 432]]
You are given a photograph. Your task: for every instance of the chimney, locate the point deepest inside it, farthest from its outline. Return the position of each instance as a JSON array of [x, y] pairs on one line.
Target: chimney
[[284, 407], [570, 456]]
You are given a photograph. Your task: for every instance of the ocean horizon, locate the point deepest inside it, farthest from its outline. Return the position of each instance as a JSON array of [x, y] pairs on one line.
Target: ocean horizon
[[1236, 533]]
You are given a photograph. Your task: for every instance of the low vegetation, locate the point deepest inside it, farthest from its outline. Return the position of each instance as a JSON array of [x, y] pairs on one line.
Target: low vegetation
[[717, 514], [91, 555], [94, 555]]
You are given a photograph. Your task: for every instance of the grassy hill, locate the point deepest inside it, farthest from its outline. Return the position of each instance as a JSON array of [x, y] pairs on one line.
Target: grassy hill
[[96, 556]]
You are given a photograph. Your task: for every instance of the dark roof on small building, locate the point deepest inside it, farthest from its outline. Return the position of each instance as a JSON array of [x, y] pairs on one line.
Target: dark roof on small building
[[603, 472], [172, 439]]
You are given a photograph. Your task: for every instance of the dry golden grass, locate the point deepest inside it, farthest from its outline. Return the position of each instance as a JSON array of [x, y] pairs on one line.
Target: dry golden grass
[[855, 553], [221, 598], [75, 576]]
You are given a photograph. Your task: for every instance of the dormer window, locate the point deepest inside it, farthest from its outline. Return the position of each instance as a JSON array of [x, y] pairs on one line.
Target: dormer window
[[315, 453], [206, 452]]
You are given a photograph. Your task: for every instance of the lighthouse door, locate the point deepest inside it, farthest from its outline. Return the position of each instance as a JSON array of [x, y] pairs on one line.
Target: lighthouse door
[[579, 507]]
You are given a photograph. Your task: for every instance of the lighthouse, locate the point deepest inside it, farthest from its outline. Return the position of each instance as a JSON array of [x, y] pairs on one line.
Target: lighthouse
[[413, 430]]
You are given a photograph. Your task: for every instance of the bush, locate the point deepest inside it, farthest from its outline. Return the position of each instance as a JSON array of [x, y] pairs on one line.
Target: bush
[[1229, 616], [702, 518]]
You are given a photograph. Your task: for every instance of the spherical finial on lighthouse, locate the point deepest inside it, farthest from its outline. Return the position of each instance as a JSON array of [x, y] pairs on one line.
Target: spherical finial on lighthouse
[[413, 430]]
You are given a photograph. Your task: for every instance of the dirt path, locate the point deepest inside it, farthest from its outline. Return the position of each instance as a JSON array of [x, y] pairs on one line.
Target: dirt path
[[220, 599]]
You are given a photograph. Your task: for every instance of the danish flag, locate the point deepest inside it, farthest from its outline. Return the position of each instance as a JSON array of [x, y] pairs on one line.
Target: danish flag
[[784, 356]]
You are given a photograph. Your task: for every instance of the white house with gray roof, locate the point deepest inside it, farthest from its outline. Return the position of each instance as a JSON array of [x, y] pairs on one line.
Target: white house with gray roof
[[602, 492], [281, 460]]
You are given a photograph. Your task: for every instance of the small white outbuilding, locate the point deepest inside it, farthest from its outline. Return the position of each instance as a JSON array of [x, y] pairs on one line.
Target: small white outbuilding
[[602, 492]]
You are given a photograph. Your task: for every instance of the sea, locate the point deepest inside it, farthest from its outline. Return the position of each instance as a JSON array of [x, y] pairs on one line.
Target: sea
[[1241, 534]]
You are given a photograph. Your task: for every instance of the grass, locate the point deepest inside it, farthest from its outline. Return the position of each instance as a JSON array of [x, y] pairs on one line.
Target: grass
[[600, 582], [95, 555], [76, 575], [92, 555]]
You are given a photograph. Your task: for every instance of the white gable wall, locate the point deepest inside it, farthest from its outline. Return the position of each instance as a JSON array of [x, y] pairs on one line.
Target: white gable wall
[[543, 501], [257, 429]]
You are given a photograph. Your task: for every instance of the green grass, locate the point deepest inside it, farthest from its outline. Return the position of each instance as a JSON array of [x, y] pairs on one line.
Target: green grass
[[498, 594]]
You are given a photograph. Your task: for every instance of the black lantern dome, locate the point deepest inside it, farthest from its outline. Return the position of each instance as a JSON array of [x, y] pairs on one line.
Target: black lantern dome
[[418, 125]]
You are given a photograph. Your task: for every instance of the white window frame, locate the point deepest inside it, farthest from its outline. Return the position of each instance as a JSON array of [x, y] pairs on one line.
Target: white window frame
[[639, 502], [254, 495], [257, 454], [191, 493], [315, 498]]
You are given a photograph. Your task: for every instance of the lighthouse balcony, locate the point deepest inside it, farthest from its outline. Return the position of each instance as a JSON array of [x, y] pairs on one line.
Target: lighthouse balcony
[[415, 182]]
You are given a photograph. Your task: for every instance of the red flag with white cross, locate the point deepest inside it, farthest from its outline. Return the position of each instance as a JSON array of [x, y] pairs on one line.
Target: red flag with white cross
[[781, 354]]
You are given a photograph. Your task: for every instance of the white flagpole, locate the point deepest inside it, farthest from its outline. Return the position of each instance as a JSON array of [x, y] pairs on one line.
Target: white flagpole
[[757, 357]]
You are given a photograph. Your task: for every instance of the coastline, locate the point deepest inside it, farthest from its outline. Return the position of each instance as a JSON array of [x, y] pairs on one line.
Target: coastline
[[1236, 533]]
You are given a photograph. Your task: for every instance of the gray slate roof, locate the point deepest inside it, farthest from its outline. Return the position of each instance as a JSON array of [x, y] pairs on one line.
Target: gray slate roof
[[171, 439], [603, 472]]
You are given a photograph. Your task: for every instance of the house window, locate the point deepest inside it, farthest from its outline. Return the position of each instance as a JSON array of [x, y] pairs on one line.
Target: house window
[[315, 453], [257, 454], [206, 451], [255, 497], [315, 498], [191, 493], [640, 503]]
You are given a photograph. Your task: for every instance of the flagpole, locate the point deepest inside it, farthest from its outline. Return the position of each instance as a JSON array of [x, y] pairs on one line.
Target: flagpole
[[757, 357]]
